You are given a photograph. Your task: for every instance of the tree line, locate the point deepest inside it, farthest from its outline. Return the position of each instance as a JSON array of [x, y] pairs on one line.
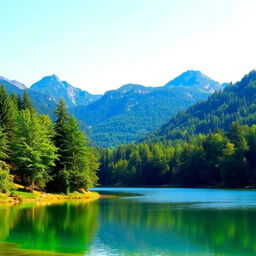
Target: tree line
[[38, 153], [223, 159]]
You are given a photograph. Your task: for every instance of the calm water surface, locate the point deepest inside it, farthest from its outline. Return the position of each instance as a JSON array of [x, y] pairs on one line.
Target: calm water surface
[[140, 221]]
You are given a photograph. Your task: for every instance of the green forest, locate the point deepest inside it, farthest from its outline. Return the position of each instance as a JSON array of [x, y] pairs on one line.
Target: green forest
[[220, 159], [212, 144], [38, 153]]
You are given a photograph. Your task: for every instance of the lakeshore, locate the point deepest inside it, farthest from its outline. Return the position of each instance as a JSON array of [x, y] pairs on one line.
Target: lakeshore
[[20, 196]]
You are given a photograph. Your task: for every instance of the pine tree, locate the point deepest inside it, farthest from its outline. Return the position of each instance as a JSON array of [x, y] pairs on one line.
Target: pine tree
[[26, 102], [33, 151], [78, 159], [60, 176], [76, 163], [59, 127], [6, 114], [3, 145]]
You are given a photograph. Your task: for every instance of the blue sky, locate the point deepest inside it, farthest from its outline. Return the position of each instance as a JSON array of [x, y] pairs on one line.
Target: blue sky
[[100, 45]]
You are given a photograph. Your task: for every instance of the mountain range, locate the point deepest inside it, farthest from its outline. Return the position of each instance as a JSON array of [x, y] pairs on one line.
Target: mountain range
[[123, 115], [236, 103]]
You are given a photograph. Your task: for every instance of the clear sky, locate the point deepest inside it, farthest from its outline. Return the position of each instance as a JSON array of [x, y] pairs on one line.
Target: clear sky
[[99, 45]]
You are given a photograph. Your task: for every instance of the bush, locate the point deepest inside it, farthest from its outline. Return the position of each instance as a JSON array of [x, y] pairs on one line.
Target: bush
[[6, 180]]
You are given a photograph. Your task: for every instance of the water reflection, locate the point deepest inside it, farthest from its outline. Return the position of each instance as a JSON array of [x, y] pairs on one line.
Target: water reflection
[[119, 226], [63, 228], [168, 229]]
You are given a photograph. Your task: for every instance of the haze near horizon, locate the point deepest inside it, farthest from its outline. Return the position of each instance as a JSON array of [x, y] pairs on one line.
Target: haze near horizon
[[101, 45]]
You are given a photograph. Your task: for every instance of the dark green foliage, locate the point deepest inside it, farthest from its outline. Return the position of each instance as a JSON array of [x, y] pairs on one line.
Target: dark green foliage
[[76, 157], [26, 102], [27, 143], [77, 164], [3, 145], [123, 116], [236, 103], [6, 113], [218, 159], [59, 126], [33, 151], [6, 180]]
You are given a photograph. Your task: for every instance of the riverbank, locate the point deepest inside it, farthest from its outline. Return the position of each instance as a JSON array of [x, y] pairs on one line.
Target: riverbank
[[20, 195]]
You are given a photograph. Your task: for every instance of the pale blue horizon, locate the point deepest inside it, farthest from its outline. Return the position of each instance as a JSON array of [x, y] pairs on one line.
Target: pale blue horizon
[[100, 45]]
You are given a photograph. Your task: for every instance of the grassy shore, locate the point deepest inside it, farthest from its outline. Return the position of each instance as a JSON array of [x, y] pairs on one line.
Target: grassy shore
[[21, 195]]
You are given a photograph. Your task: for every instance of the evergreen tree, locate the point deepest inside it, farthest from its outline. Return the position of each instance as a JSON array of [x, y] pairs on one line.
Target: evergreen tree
[[26, 102], [33, 151], [59, 127], [3, 145], [6, 114], [60, 176], [77, 158], [77, 164]]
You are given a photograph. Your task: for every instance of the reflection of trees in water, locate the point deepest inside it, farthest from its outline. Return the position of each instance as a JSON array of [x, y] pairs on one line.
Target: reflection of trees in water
[[8, 217], [220, 230], [70, 227], [67, 227]]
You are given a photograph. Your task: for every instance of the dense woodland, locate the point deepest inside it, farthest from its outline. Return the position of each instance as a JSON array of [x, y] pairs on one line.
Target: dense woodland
[[40, 154], [213, 143], [217, 159], [236, 103], [125, 115]]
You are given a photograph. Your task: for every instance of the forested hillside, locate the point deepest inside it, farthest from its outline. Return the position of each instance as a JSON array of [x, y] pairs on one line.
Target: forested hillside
[[214, 160], [119, 116], [235, 103], [124, 115], [41, 154]]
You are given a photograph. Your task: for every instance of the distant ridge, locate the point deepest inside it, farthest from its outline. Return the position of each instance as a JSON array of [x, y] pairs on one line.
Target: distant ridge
[[236, 103], [8, 82], [54, 87], [124, 115]]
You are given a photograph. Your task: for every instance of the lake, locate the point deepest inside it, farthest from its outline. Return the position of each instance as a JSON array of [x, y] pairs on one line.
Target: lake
[[137, 221]]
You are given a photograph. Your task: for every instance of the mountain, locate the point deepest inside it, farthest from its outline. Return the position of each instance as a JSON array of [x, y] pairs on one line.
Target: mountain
[[42, 103], [56, 89], [196, 79], [11, 85], [119, 116], [124, 115], [235, 103]]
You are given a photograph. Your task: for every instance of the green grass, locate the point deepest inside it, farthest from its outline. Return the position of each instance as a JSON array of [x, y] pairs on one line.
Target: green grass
[[23, 195]]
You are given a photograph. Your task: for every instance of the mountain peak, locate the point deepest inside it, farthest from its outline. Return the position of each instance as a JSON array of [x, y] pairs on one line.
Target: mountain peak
[[53, 77], [54, 87], [195, 78], [128, 87]]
